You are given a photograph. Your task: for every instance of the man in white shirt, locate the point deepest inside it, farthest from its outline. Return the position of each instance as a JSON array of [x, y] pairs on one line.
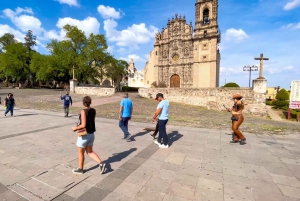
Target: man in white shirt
[[162, 113]]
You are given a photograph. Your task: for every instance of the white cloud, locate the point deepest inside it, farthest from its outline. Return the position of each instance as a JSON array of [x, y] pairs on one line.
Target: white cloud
[[7, 29], [291, 26], [235, 35], [69, 2], [88, 25], [130, 37], [24, 22], [110, 49], [108, 12], [132, 56], [291, 5]]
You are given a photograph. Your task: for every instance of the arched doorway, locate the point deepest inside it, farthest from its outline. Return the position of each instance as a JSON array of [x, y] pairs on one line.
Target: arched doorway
[[106, 83], [175, 81]]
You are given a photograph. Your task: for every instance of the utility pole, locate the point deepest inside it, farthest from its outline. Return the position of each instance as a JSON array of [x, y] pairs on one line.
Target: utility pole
[[250, 69]]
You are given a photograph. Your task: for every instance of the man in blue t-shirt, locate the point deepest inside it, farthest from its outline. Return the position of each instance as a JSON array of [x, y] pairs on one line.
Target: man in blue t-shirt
[[125, 115], [67, 102], [162, 113]]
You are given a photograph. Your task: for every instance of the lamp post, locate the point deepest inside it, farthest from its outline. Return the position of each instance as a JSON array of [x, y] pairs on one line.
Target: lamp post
[[250, 69]]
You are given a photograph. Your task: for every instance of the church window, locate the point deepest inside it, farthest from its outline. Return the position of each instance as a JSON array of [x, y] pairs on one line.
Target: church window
[[175, 57], [205, 33], [206, 19], [156, 53]]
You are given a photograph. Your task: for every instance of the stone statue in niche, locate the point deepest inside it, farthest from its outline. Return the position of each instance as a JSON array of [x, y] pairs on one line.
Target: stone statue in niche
[[157, 37]]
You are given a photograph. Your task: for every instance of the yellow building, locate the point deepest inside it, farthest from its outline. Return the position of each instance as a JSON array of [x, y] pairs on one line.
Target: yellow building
[[271, 93]]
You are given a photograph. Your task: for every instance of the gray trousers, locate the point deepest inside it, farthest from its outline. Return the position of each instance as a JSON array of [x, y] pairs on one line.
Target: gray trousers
[[66, 110]]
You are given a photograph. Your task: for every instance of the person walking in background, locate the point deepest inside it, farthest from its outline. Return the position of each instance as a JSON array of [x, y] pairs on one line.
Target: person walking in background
[[86, 136], [237, 119], [125, 114], [9, 103], [162, 113], [67, 102]]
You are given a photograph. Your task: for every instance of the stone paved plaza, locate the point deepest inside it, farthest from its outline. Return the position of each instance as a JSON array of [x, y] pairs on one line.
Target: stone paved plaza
[[38, 152]]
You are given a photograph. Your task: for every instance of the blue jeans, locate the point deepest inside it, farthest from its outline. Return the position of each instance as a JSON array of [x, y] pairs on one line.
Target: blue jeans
[[11, 109], [162, 131], [123, 124]]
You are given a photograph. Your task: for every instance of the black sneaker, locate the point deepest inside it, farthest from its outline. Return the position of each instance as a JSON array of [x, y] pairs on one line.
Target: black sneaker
[[234, 141], [128, 138], [153, 136], [102, 168], [242, 142], [77, 171]]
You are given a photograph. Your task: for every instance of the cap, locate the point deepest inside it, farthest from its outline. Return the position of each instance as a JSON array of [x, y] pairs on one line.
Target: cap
[[159, 95], [237, 96]]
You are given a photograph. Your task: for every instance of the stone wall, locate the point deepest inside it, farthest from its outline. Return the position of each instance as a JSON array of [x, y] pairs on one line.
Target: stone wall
[[211, 98], [95, 91]]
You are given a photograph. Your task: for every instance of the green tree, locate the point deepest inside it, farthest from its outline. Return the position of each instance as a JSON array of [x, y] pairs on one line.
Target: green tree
[[5, 40], [41, 66], [282, 95], [97, 55], [282, 98], [30, 40], [231, 84], [14, 62], [116, 70]]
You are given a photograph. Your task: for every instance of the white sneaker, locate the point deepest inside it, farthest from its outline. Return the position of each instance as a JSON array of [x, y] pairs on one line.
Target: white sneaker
[[164, 146], [155, 141]]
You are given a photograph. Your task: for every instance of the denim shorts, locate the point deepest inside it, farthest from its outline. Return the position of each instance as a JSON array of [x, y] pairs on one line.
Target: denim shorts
[[86, 140]]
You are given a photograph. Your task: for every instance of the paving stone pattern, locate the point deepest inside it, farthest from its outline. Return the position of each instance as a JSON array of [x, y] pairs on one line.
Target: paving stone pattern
[[38, 152]]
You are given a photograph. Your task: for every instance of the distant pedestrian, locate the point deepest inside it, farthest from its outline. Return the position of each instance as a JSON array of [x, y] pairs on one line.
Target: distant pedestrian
[[9, 104], [67, 102], [125, 113], [162, 113], [237, 119], [86, 136]]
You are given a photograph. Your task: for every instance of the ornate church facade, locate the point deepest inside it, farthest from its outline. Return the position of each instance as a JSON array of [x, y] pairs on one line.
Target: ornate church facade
[[184, 57]]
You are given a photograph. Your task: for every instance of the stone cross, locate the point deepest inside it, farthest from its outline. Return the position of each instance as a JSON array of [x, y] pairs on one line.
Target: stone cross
[[261, 66]]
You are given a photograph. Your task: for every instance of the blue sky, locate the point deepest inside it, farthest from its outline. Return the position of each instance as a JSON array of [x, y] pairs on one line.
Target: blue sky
[[248, 28]]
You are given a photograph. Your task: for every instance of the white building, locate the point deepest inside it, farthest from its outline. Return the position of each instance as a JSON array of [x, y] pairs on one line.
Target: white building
[[135, 78]]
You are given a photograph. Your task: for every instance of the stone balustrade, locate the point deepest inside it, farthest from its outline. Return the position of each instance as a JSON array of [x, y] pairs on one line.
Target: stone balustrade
[[211, 98]]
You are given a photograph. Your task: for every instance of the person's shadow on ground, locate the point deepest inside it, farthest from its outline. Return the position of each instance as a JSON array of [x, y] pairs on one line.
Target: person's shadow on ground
[[173, 137], [138, 135], [114, 158]]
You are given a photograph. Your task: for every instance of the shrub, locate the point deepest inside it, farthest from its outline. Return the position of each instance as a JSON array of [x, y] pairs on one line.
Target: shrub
[[231, 84], [130, 89], [280, 103], [269, 103], [162, 85], [282, 95], [154, 84]]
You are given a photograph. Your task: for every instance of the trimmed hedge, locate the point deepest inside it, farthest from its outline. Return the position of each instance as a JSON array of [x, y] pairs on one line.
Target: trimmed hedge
[[280, 103], [231, 84], [269, 103], [130, 89]]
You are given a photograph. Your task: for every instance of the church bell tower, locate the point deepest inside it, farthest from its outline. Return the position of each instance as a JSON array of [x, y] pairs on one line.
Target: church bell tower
[[207, 36]]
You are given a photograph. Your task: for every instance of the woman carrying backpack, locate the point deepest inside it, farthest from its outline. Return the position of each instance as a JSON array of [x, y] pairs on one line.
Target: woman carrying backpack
[[86, 136]]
